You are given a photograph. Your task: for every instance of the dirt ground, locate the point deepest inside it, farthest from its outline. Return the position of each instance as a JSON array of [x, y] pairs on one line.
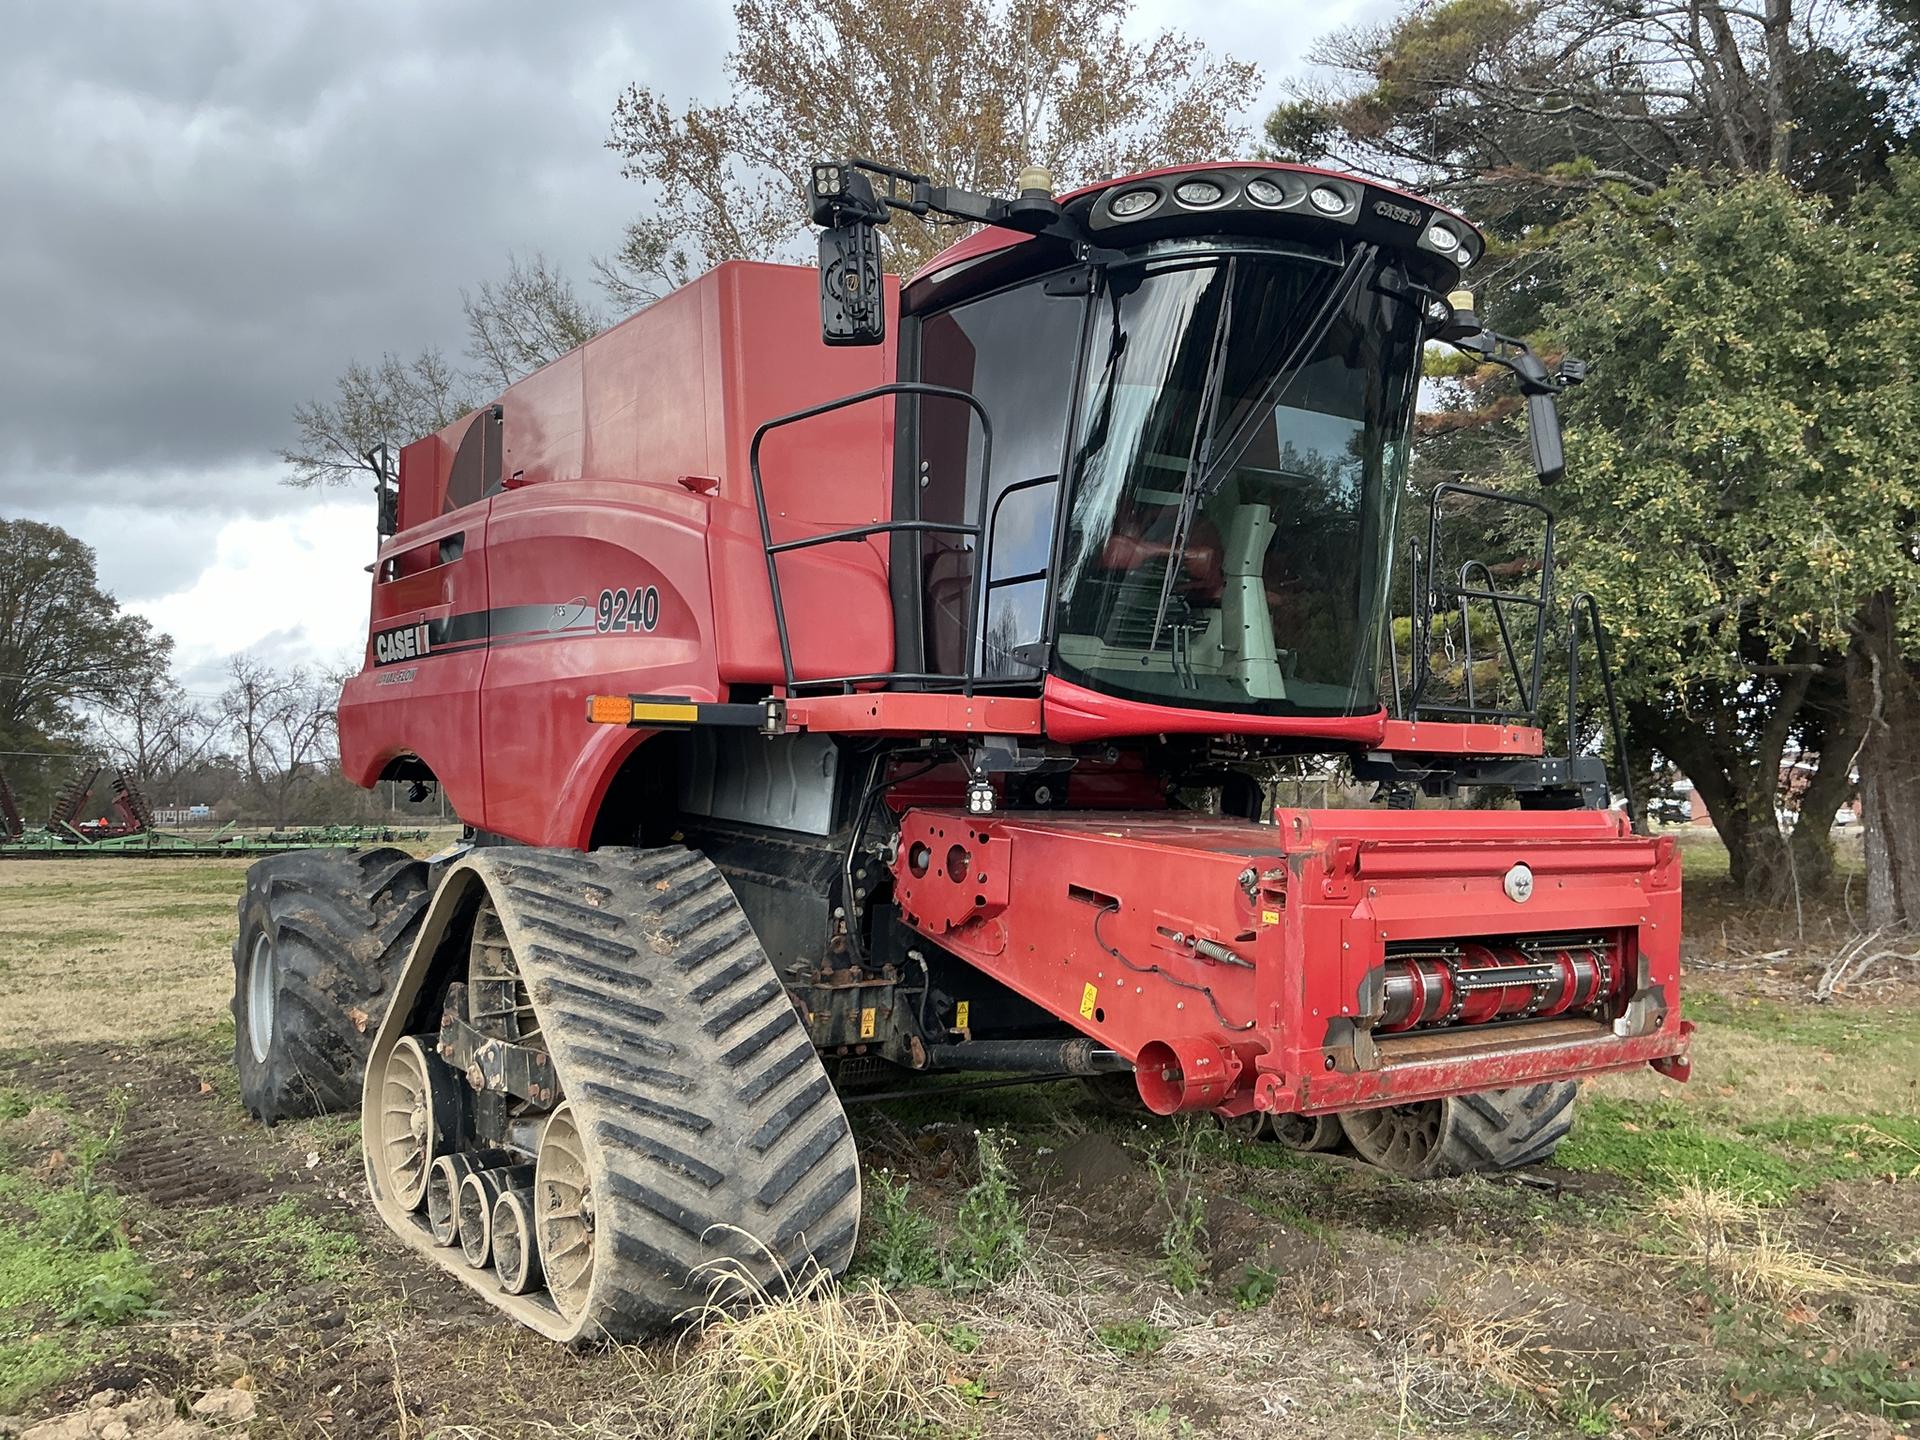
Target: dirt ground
[[1736, 1257]]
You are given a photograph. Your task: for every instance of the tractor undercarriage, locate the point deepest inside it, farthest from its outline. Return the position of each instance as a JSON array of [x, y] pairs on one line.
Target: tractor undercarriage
[[592, 1101]]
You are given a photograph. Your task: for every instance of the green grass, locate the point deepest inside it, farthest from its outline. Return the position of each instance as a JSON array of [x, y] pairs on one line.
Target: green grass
[[303, 1246], [1661, 1144], [1767, 1360], [67, 1271], [1131, 1337], [1824, 1027]]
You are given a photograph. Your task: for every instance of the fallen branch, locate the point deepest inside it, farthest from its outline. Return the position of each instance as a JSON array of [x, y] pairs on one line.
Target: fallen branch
[[1849, 967]]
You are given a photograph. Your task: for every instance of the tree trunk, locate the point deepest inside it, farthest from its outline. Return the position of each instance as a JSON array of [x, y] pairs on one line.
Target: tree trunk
[[1741, 792], [1886, 690]]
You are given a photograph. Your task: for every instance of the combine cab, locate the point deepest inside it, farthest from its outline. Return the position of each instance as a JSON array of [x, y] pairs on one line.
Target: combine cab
[[912, 700]]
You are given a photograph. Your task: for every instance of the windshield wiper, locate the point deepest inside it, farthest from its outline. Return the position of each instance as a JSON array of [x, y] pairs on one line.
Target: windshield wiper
[[1206, 467], [1197, 455]]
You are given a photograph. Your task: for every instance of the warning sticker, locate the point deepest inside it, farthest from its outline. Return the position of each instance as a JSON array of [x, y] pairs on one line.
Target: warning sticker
[[1269, 917], [866, 1023], [1089, 998], [960, 1015]]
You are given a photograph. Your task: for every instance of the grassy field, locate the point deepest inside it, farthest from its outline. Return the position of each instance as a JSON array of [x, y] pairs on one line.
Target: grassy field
[[1736, 1257]]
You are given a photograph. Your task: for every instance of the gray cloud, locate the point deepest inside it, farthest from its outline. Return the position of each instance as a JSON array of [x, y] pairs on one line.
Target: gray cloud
[[212, 204], [207, 207]]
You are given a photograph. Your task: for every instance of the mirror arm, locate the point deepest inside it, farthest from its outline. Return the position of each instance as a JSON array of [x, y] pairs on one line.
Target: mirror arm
[[1538, 384]]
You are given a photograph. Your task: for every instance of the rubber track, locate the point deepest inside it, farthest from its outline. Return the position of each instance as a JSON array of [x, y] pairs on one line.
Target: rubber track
[[718, 1145]]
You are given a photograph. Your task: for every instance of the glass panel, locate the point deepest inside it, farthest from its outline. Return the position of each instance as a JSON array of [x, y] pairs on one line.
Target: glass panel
[[1228, 540], [1015, 351]]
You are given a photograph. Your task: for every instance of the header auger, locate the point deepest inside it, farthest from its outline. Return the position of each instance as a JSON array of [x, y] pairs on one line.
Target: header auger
[[909, 700]]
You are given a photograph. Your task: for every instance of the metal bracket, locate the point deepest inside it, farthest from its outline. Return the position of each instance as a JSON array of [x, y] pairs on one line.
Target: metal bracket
[[498, 1066]]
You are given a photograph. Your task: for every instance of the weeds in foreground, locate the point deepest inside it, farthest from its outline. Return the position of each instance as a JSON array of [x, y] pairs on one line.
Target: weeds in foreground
[[66, 1269], [1184, 1258], [1255, 1287], [901, 1248], [818, 1362], [1732, 1240], [989, 1243], [1127, 1338], [990, 1233]]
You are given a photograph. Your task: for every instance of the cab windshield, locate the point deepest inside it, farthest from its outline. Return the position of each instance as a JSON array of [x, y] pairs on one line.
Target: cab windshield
[[1240, 445]]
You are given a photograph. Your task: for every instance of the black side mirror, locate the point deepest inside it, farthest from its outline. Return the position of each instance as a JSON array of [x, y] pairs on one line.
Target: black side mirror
[[1543, 416], [1543, 437], [852, 305], [845, 204]]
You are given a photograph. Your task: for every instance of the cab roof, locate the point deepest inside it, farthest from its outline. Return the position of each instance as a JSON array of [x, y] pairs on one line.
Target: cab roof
[[1377, 211]]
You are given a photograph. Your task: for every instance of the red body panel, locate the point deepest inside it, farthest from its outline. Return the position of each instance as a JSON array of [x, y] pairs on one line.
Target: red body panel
[[1092, 917], [624, 469]]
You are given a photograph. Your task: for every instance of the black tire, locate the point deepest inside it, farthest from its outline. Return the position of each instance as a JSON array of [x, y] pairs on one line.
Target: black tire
[[1493, 1130], [323, 936], [1306, 1132]]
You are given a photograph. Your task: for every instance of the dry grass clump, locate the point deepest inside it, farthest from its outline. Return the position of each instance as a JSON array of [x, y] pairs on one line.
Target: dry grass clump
[[1733, 1240], [820, 1362]]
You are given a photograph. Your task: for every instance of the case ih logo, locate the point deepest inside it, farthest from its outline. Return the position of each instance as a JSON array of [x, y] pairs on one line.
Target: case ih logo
[[1406, 215], [409, 642]]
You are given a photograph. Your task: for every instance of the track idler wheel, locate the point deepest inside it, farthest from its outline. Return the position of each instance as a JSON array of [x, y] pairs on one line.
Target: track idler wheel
[[563, 1218], [443, 1189], [418, 1118], [516, 1254], [478, 1192]]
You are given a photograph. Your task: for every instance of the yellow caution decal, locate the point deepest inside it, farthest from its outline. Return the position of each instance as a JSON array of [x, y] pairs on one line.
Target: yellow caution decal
[[866, 1023], [1089, 1000]]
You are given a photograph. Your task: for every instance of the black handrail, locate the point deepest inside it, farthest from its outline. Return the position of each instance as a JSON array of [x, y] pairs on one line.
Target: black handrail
[[1584, 599], [1427, 594], [1500, 600], [976, 599]]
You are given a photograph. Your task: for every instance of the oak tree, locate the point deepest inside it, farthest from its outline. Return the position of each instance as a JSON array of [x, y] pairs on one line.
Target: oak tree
[[1743, 475]]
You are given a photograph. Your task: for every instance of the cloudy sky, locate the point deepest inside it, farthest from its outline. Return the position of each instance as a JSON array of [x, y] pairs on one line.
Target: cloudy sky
[[210, 206]]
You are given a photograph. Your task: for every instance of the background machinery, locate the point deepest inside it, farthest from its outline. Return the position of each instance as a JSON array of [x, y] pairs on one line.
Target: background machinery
[[909, 700]]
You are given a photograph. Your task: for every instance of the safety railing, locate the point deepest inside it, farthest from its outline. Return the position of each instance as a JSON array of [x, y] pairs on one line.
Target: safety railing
[[1430, 599], [1583, 603], [976, 531]]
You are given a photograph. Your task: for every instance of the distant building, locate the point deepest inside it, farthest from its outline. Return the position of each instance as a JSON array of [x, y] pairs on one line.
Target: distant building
[[183, 815]]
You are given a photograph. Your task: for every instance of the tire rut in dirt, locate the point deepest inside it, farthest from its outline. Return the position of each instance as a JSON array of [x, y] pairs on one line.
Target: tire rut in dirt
[[715, 1143], [332, 930], [175, 1146]]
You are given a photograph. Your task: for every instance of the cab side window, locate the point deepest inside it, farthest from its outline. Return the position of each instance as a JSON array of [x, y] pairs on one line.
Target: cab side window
[[1016, 352]]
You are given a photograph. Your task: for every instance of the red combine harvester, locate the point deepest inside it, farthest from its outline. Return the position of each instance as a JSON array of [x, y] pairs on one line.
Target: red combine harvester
[[910, 700]]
